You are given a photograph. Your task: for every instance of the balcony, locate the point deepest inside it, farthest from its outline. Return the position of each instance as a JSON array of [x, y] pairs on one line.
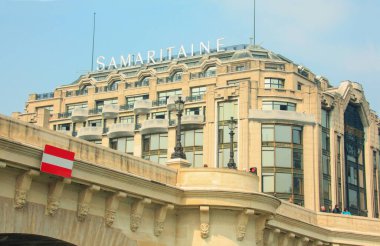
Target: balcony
[[195, 98], [171, 102], [142, 106], [79, 115], [67, 132], [119, 130], [90, 133], [154, 126], [110, 111], [189, 122]]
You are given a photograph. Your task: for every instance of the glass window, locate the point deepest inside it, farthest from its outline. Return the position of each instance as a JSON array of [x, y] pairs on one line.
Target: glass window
[[267, 133], [297, 131], [277, 105], [95, 123], [326, 165], [283, 183], [353, 198], [283, 133], [127, 119], [298, 185], [283, 157], [267, 156], [210, 71], [164, 95], [274, 83], [198, 91], [325, 118], [297, 158], [268, 182]]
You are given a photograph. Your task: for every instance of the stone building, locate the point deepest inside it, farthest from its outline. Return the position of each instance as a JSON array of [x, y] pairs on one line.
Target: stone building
[[312, 143]]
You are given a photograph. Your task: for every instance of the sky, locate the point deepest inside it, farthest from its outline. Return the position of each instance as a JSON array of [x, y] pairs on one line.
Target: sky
[[48, 43]]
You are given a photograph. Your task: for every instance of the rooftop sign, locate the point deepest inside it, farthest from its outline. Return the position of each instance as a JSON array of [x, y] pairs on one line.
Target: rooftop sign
[[151, 56]]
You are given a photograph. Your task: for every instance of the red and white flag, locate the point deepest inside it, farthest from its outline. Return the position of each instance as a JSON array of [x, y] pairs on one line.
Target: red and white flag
[[57, 161]]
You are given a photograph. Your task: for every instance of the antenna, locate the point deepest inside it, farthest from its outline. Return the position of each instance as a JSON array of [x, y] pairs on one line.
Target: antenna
[[254, 22], [93, 45]]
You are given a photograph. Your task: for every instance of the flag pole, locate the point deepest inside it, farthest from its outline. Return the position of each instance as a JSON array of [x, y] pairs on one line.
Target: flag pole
[[93, 45], [254, 22]]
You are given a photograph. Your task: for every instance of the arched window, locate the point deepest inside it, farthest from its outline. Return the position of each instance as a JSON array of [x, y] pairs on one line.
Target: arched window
[[176, 76], [114, 85], [210, 71]]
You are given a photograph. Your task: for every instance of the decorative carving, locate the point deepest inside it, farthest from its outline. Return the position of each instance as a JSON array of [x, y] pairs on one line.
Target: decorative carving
[[160, 216], [271, 236], [205, 220], [205, 229], [242, 222], [54, 196], [287, 239], [3, 164], [304, 241], [260, 222], [23, 183], [112, 204], [84, 201], [136, 213]]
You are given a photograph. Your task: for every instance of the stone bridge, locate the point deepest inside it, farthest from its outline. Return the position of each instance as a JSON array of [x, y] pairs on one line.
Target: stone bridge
[[117, 199]]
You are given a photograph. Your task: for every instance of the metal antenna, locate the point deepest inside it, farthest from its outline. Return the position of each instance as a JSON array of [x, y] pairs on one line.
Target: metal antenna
[[93, 45], [254, 22]]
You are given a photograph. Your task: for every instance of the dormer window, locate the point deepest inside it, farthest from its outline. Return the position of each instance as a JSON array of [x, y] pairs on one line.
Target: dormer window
[[177, 76], [210, 71]]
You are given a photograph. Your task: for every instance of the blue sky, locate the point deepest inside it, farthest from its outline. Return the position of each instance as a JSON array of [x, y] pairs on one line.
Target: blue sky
[[47, 43]]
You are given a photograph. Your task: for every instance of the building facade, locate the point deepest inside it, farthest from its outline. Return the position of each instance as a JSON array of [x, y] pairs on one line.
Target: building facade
[[313, 144]]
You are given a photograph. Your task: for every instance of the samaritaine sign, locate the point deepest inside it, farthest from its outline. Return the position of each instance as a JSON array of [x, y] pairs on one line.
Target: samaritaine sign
[[152, 56]]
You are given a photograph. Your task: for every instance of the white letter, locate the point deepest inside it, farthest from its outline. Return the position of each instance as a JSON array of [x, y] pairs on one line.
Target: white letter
[[102, 66], [219, 44], [123, 62], [139, 59], [161, 55], [112, 63], [151, 56], [181, 51], [170, 52], [192, 49], [202, 45]]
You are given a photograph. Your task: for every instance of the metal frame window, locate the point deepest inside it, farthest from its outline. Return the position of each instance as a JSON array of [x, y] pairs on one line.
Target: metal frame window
[[124, 145], [154, 147], [282, 161], [274, 83], [192, 142], [278, 105]]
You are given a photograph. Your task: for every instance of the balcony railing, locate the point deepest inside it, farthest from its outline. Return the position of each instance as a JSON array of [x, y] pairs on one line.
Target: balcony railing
[[90, 133], [76, 93], [142, 106], [119, 130], [126, 107], [110, 111], [64, 115], [160, 102], [194, 98], [154, 126], [45, 96], [94, 111], [192, 121], [79, 115]]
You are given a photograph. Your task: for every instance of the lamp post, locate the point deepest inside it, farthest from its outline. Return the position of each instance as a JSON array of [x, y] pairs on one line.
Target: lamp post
[[178, 150], [231, 125]]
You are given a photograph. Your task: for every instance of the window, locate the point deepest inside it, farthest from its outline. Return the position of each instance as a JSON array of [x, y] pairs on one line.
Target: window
[[64, 127], [194, 111], [282, 161], [49, 108], [210, 72], [192, 142], [124, 145], [155, 147], [226, 110], [114, 85], [95, 123], [70, 107], [127, 119], [130, 101], [159, 115], [299, 86], [143, 82], [275, 105], [198, 91], [274, 83], [100, 104], [177, 76], [164, 95]]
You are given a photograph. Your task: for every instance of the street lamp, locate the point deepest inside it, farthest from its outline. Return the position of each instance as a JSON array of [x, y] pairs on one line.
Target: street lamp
[[178, 150], [231, 125]]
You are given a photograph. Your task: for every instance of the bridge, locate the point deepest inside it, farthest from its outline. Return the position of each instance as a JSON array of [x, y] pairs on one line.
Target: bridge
[[118, 199]]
